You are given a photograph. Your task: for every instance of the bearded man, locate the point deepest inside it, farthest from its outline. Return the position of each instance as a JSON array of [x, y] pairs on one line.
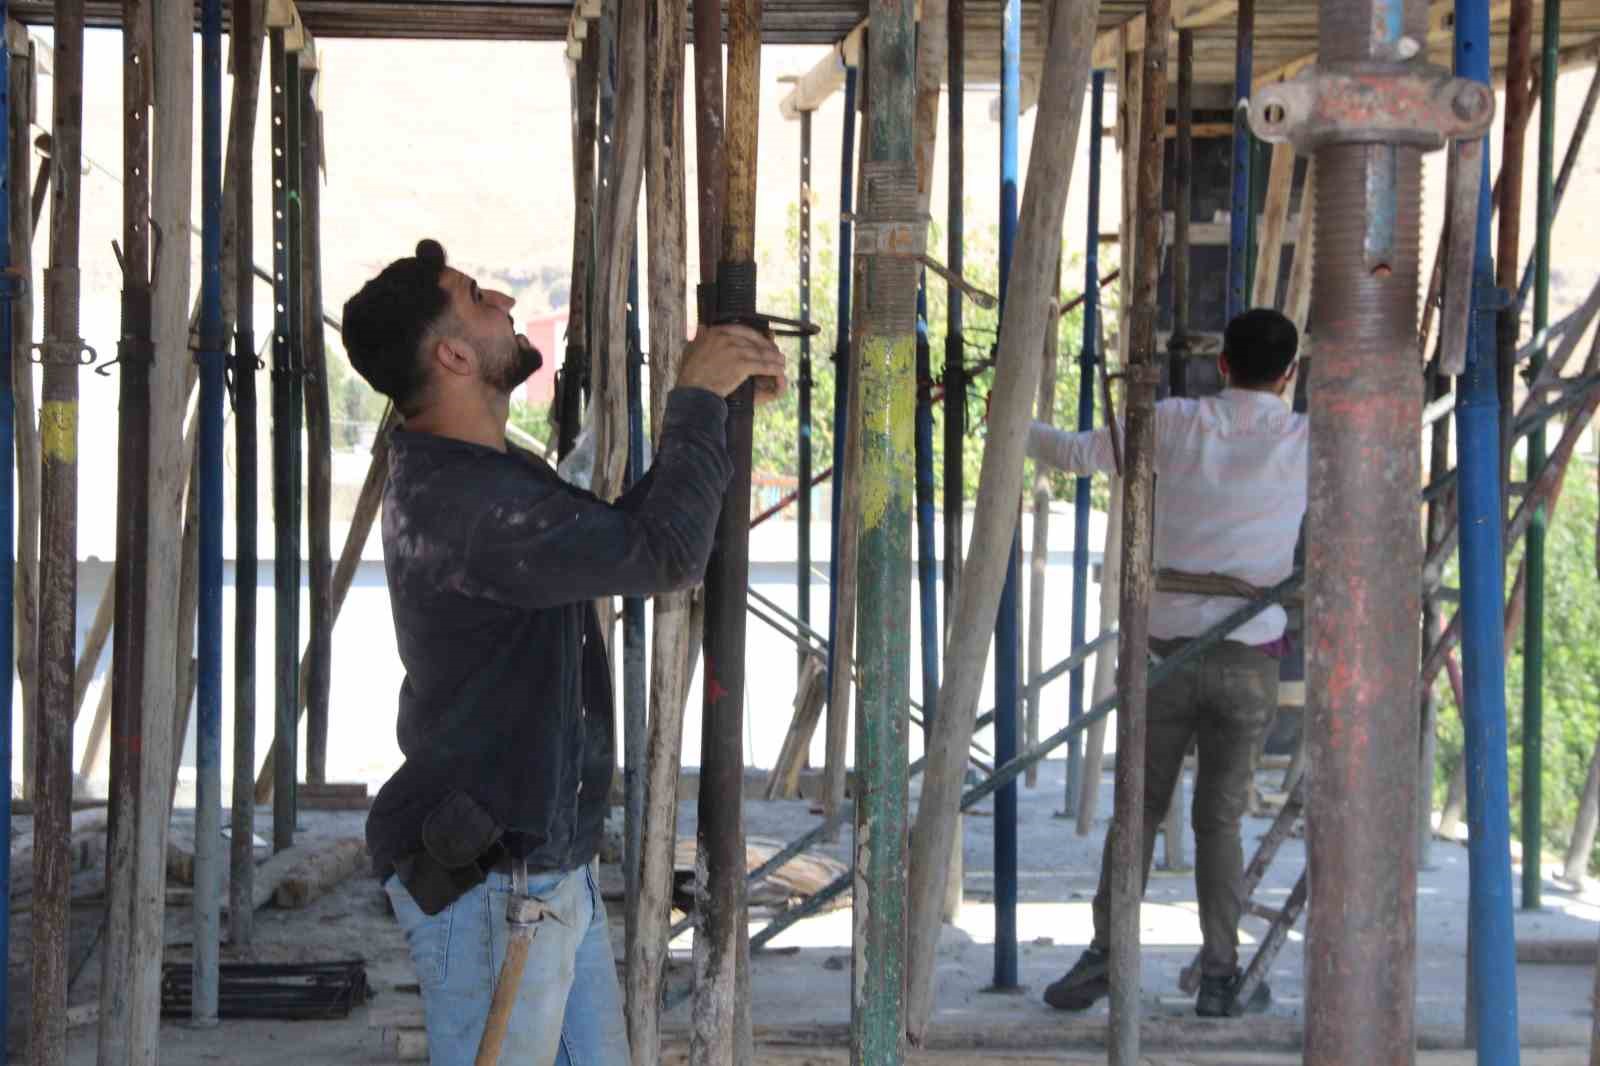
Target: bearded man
[[505, 715]]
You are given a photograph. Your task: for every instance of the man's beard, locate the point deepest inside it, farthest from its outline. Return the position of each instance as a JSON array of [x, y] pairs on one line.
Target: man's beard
[[519, 361]]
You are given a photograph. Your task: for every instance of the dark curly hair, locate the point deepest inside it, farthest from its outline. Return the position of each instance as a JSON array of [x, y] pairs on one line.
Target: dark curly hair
[[385, 324], [1260, 344]]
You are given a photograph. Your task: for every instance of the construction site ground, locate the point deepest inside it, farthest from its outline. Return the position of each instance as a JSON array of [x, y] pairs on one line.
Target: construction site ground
[[801, 990]]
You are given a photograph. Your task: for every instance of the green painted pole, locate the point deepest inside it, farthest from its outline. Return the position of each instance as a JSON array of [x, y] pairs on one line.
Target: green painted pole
[[887, 347], [1533, 617]]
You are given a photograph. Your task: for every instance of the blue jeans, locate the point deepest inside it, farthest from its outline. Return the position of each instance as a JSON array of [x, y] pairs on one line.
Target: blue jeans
[[569, 1011]]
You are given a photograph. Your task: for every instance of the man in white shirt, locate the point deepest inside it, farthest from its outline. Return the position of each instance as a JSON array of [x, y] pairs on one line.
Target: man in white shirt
[[1230, 496]]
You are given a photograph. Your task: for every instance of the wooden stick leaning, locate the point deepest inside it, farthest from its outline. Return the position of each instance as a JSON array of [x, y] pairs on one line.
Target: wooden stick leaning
[[1066, 72], [674, 639]]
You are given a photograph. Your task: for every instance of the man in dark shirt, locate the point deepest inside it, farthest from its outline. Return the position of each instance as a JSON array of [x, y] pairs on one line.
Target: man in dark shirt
[[505, 717]]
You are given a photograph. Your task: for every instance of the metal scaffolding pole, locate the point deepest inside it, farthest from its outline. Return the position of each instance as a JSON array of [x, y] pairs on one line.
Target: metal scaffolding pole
[[212, 357], [285, 435], [1007, 646], [955, 372], [10, 292], [955, 380], [839, 712], [721, 948], [1363, 548], [887, 346], [803, 511], [1533, 615], [1239, 205], [927, 551], [1088, 355], [1491, 937], [241, 879]]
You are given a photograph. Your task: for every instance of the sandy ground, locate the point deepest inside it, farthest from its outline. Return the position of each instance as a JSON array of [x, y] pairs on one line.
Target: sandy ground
[[802, 986]]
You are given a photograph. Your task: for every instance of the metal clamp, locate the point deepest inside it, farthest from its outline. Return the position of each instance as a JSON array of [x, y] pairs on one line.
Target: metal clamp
[[64, 353], [1419, 106], [900, 238], [772, 325]]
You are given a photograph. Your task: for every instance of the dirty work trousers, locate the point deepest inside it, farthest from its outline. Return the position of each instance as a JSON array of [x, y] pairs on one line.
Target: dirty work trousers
[[1224, 698], [570, 1009]]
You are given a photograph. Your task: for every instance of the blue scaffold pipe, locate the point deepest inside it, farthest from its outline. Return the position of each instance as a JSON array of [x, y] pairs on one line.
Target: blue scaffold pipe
[[1006, 642], [208, 721], [1492, 937]]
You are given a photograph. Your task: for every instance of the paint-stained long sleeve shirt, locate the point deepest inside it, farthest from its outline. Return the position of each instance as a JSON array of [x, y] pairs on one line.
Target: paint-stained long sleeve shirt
[[493, 564], [1230, 496]]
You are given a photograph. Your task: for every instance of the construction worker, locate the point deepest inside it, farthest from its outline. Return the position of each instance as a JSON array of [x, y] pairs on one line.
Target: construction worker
[[505, 716], [1229, 498]]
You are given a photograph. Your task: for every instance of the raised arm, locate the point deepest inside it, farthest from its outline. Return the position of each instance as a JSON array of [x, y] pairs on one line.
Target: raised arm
[[1076, 453]]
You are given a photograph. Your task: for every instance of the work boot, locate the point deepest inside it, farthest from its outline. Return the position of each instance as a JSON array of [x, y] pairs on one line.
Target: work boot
[[1088, 982], [1218, 997]]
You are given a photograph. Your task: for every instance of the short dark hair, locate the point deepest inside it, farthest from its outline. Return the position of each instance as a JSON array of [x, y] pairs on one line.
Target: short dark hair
[[385, 324], [1260, 345]]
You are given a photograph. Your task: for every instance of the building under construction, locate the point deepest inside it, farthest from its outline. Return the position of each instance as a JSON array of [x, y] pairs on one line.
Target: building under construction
[[1271, 155]]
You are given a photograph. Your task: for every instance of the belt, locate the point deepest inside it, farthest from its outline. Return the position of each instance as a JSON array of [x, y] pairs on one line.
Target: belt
[[1179, 581]]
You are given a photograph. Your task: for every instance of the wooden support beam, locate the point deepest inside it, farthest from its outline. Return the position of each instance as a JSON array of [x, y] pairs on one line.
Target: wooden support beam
[[26, 420], [1197, 14], [618, 215], [573, 379], [673, 635], [1056, 128], [1274, 221], [171, 198], [58, 561], [317, 674], [1126, 851]]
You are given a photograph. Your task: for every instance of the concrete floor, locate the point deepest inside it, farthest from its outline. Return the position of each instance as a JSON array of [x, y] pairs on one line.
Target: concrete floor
[[801, 990]]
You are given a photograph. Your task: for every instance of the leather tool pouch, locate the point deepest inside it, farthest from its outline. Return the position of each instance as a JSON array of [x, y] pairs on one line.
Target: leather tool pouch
[[461, 843]]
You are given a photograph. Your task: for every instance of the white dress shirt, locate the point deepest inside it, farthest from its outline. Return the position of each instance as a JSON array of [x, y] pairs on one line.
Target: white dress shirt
[[1230, 495]]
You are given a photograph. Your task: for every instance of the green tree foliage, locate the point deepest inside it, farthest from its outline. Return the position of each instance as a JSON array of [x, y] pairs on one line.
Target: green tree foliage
[[777, 424], [1571, 667]]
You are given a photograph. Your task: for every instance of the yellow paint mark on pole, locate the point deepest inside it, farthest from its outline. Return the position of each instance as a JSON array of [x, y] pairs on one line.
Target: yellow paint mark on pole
[[58, 431], [888, 411]]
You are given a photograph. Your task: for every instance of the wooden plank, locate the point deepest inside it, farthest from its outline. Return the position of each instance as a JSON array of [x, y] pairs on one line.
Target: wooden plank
[[1197, 14], [1297, 299], [1274, 220], [172, 196], [784, 780], [674, 637], [1023, 324]]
